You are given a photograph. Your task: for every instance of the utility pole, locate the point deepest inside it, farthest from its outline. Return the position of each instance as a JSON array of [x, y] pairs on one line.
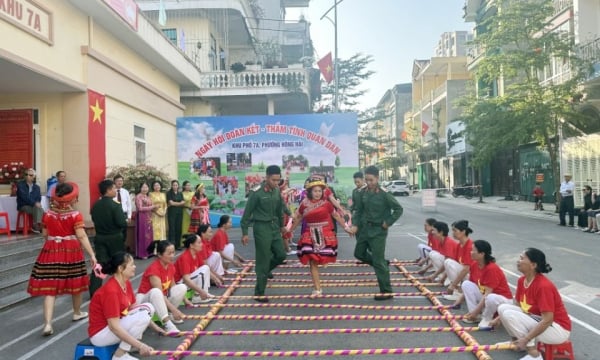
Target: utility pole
[[335, 52]]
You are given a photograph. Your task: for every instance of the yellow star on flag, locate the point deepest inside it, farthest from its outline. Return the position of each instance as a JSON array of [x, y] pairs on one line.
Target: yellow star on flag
[[329, 69], [97, 112], [524, 305]]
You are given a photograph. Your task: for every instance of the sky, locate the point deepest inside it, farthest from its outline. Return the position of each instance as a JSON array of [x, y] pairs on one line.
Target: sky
[[394, 32]]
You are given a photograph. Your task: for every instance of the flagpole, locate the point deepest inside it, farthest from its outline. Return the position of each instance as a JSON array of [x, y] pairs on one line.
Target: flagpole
[[335, 54]]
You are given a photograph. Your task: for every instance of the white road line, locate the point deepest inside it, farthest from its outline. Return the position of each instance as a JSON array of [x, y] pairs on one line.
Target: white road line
[[507, 234], [417, 237], [574, 251]]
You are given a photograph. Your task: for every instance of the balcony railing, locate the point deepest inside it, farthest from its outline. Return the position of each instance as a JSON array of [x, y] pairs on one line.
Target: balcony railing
[[289, 79], [589, 52], [561, 5]]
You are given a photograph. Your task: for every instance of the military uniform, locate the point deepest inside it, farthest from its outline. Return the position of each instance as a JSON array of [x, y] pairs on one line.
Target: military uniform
[[371, 210], [264, 210], [109, 222]]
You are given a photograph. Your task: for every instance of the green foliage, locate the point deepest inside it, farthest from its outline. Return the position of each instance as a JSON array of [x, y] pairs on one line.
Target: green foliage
[[238, 67], [519, 47], [135, 175]]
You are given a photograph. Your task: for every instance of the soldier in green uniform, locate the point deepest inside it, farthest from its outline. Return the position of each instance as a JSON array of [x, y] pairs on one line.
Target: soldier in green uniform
[[375, 211], [264, 210], [109, 223], [359, 181]]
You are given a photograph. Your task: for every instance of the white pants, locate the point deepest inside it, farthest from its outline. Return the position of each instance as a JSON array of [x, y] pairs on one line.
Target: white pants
[[453, 268], [473, 296], [229, 251], [215, 263], [134, 323], [437, 259], [200, 277], [518, 324], [157, 299], [423, 250]]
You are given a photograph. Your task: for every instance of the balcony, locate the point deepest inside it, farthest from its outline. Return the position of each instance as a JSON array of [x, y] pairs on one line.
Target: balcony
[[590, 52], [562, 5]]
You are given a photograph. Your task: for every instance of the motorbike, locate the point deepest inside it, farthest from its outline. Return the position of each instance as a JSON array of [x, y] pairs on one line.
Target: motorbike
[[465, 190]]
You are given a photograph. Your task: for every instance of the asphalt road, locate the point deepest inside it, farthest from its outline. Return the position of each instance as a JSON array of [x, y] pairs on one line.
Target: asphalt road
[[572, 254]]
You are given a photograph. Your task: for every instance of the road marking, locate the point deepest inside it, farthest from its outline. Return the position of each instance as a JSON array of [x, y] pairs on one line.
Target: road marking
[[417, 237], [573, 251], [507, 234]]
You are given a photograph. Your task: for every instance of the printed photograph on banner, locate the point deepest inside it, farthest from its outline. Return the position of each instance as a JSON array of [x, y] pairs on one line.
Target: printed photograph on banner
[[229, 154]]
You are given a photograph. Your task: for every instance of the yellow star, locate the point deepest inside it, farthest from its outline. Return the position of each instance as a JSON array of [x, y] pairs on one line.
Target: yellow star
[[524, 305], [328, 69], [97, 112], [166, 285]]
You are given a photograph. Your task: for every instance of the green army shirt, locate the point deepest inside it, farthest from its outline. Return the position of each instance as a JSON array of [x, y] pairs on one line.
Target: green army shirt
[[376, 207], [264, 205]]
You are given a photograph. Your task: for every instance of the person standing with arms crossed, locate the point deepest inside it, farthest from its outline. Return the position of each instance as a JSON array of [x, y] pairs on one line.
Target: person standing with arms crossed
[[109, 222], [375, 211], [265, 209], [567, 204]]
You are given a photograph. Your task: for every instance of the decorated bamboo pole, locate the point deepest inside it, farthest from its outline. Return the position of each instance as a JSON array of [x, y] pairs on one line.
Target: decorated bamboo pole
[[344, 263], [322, 317], [481, 354], [335, 296], [328, 285], [323, 331], [326, 306], [331, 352], [331, 281], [327, 274]]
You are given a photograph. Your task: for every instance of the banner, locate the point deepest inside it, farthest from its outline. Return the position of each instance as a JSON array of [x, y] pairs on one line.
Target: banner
[[230, 154], [96, 142]]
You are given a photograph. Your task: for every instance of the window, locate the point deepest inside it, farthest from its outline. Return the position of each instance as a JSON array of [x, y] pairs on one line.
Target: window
[[139, 137], [171, 34]]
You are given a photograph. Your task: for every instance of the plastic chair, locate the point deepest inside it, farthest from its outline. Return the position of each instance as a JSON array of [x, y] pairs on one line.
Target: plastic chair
[[6, 228], [24, 221], [556, 351], [86, 351]]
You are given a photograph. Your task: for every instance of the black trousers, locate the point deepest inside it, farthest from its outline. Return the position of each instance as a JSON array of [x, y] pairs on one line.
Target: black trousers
[[567, 205]]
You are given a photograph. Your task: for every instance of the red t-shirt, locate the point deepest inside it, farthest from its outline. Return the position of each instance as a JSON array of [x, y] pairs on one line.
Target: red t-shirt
[[463, 253], [186, 264], [166, 276], [219, 240], [448, 248], [542, 296], [433, 242], [493, 277], [110, 301], [206, 249], [475, 273]]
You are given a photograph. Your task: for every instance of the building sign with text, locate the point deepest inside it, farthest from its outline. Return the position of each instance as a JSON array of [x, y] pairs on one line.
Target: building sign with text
[[29, 16]]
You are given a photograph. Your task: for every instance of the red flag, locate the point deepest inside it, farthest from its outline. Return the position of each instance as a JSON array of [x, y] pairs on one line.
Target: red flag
[[424, 128], [326, 67], [403, 135], [96, 142]]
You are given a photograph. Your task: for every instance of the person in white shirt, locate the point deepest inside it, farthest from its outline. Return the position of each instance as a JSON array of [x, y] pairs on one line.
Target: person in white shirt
[[567, 205], [123, 199]]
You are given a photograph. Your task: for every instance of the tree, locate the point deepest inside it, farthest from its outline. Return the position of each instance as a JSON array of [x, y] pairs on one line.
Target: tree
[[337, 161], [520, 46], [352, 72]]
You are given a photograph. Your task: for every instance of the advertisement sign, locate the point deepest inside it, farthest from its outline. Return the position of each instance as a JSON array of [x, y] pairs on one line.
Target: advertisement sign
[[455, 138], [229, 154]]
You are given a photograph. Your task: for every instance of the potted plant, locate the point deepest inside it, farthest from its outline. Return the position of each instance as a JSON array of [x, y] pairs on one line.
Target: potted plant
[[237, 67], [250, 65]]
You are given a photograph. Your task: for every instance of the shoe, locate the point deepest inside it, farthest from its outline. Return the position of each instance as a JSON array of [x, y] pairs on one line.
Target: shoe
[[529, 357], [35, 230], [199, 300], [261, 299], [471, 321], [47, 331], [125, 356], [291, 252], [316, 294], [170, 327], [270, 275], [80, 316], [587, 230], [561, 224], [571, 225], [485, 325], [293, 243], [231, 272], [180, 321], [451, 297], [383, 297], [447, 282]]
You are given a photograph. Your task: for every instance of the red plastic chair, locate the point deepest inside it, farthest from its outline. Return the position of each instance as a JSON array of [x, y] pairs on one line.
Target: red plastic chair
[[6, 228], [556, 351], [24, 222]]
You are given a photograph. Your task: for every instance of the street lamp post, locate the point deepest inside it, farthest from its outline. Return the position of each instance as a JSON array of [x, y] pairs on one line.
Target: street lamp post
[[335, 52]]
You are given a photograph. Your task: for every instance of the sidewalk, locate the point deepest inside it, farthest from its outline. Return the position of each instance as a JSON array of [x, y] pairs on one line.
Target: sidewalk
[[500, 205]]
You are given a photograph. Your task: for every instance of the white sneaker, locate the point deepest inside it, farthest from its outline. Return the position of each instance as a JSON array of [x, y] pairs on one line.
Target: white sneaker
[[80, 316], [125, 356], [170, 327], [451, 297], [485, 325], [447, 282], [180, 321], [316, 294], [292, 252], [529, 357], [198, 300]]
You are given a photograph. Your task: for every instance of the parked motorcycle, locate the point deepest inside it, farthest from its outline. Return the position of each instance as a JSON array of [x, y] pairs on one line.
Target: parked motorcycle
[[465, 190]]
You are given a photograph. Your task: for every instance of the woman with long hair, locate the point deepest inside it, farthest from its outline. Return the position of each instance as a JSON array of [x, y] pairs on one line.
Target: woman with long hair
[[220, 243], [115, 317], [538, 312], [191, 270], [210, 257], [457, 267], [188, 194], [318, 243], [143, 223], [425, 249], [175, 204], [200, 207], [60, 267], [486, 288], [158, 286], [159, 213]]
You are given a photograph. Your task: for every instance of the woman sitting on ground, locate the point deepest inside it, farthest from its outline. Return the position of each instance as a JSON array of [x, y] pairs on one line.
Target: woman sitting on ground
[[425, 249], [114, 315], [538, 313], [191, 270], [458, 266], [158, 286], [447, 249], [210, 257], [592, 212], [486, 288], [220, 243]]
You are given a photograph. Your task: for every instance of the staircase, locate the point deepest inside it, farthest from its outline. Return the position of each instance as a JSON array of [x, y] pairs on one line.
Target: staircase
[[17, 256]]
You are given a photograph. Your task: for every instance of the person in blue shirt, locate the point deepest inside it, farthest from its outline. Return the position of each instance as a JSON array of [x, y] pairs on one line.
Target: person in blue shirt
[[29, 199]]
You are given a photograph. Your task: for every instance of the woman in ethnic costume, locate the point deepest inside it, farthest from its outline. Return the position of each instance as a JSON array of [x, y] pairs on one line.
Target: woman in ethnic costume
[[318, 243], [60, 268], [159, 220], [143, 223], [188, 194], [200, 209]]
